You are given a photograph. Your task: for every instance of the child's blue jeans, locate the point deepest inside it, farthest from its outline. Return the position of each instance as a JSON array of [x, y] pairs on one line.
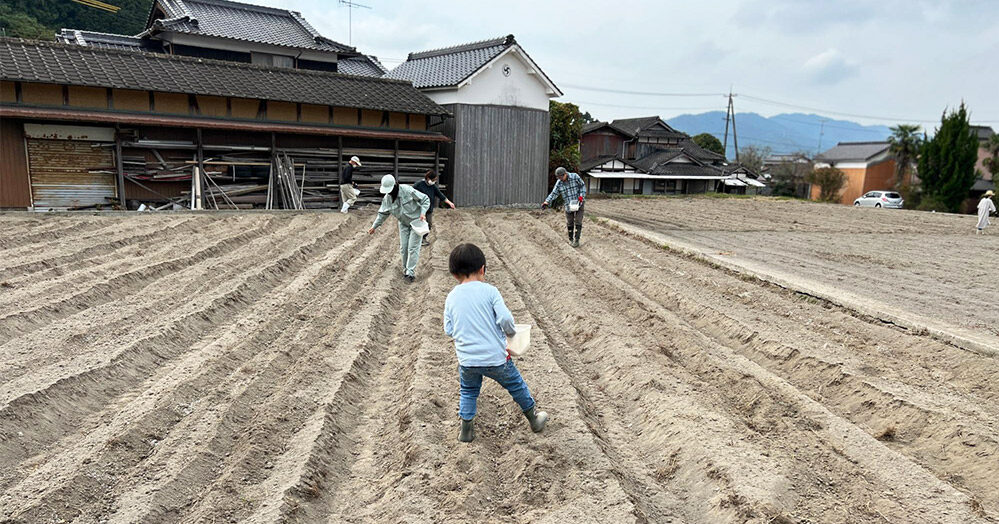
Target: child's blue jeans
[[506, 374]]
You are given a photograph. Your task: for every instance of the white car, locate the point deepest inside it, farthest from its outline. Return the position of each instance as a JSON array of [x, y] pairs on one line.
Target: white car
[[887, 199]]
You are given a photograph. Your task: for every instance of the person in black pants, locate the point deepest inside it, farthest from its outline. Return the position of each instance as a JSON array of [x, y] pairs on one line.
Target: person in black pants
[[429, 187]]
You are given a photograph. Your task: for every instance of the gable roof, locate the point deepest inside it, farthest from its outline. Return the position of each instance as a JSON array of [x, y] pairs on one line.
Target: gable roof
[[452, 66], [363, 65], [595, 126], [239, 21], [447, 67], [982, 132], [853, 152], [48, 62], [647, 126]]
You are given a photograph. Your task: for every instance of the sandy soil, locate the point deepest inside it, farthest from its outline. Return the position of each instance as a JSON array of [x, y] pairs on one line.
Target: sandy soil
[[262, 368], [929, 265]]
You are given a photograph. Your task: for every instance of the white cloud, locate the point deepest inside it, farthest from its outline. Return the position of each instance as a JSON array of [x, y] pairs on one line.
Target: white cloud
[[829, 67]]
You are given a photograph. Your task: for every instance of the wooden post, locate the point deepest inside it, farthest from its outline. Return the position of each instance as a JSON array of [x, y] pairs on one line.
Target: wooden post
[[120, 167], [200, 171], [339, 166], [395, 160]]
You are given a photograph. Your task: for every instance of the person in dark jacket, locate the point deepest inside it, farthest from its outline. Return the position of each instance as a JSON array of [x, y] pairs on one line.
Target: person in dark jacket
[[429, 187], [348, 190]]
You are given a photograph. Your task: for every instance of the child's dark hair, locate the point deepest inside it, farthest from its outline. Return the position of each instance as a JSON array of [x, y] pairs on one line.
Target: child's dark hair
[[465, 260], [430, 174]]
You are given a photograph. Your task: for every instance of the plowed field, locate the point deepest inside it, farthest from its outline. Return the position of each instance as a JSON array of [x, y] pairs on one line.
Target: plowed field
[[276, 367]]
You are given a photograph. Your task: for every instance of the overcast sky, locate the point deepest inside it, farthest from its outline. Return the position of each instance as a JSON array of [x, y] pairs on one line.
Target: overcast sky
[[893, 60]]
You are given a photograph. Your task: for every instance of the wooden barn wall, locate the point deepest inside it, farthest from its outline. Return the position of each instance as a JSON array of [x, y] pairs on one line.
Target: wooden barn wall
[[15, 192], [501, 155]]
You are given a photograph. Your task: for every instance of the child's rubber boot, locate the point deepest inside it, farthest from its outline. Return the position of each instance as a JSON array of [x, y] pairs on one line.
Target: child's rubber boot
[[467, 433], [537, 419]]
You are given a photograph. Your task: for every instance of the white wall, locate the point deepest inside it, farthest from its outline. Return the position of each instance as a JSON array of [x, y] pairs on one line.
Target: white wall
[[491, 87]]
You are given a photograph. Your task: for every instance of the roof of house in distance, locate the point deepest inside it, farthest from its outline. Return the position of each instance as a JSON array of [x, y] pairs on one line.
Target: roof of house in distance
[[853, 152], [450, 66], [982, 132], [646, 126], [48, 62], [239, 21], [363, 65]]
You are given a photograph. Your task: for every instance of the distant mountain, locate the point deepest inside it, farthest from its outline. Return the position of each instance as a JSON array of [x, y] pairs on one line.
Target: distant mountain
[[784, 133]]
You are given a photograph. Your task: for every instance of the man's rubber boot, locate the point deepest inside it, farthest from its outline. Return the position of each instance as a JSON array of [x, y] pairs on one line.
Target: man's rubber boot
[[575, 241], [571, 236], [467, 433], [537, 419]]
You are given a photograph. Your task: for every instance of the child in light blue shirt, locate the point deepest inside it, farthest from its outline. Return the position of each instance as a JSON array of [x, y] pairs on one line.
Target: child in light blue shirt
[[479, 322]]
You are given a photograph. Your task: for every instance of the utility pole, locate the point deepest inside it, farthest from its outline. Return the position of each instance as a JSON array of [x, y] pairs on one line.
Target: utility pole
[[350, 18], [730, 115], [822, 127]]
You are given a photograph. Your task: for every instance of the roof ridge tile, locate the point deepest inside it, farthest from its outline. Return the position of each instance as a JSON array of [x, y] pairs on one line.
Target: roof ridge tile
[[507, 41]]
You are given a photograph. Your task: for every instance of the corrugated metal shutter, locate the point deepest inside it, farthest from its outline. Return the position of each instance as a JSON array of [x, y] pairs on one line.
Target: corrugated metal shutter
[[60, 173]]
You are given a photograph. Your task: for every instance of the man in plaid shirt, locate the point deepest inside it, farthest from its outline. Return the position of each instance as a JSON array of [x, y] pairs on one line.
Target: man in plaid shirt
[[573, 191]]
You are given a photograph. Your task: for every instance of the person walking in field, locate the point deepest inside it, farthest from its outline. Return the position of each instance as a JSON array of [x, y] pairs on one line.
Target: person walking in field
[[407, 205], [478, 320], [573, 191], [985, 206], [348, 191], [428, 186]]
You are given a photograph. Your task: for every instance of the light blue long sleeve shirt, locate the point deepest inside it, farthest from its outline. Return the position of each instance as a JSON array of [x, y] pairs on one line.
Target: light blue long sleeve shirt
[[478, 320]]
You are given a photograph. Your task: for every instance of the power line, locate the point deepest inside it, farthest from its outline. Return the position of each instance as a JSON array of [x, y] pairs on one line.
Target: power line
[[841, 113], [645, 93], [580, 102], [763, 101]]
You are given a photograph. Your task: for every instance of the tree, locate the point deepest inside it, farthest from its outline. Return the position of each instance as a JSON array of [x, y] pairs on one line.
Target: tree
[[830, 181], [992, 161], [566, 130], [753, 157], [789, 178], [22, 25], [947, 162], [904, 144], [588, 119], [709, 142]]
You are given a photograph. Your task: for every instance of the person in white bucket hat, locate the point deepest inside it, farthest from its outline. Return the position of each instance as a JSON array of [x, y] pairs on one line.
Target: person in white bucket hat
[[985, 206], [407, 205], [348, 190]]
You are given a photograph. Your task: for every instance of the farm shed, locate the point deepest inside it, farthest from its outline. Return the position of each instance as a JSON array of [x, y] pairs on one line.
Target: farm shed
[[87, 126], [498, 97]]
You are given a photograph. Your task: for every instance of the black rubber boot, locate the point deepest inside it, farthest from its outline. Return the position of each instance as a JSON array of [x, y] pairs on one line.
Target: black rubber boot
[[467, 433], [575, 242], [537, 419], [570, 236]]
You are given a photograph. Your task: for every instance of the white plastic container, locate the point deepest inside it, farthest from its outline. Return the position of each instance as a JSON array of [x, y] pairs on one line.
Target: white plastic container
[[521, 341], [420, 227], [573, 207]]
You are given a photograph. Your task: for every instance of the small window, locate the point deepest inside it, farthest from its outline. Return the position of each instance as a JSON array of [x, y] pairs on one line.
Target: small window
[[268, 59]]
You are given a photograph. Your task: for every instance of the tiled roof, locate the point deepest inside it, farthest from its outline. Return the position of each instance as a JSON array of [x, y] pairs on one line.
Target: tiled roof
[[663, 155], [646, 126], [685, 170], [107, 40], [594, 162], [363, 65], [239, 21], [46, 62], [982, 132], [852, 151], [449, 66]]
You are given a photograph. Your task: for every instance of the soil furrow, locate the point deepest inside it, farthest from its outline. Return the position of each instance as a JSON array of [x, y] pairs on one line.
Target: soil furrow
[[27, 421], [43, 311], [87, 252], [772, 404], [255, 355]]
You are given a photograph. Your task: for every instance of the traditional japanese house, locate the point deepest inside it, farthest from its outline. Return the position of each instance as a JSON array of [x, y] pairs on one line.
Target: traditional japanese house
[[645, 156], [87, 126]]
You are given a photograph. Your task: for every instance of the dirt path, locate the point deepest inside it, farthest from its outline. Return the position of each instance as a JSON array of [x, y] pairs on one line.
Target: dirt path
[[275, 368]]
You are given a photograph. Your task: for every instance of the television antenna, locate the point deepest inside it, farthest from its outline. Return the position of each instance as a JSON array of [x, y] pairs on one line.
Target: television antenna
[[350, 19], [97, 4]]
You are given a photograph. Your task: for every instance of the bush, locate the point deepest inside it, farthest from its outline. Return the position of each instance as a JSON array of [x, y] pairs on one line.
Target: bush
[[932, 203], [830, 181], [911, 195]]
